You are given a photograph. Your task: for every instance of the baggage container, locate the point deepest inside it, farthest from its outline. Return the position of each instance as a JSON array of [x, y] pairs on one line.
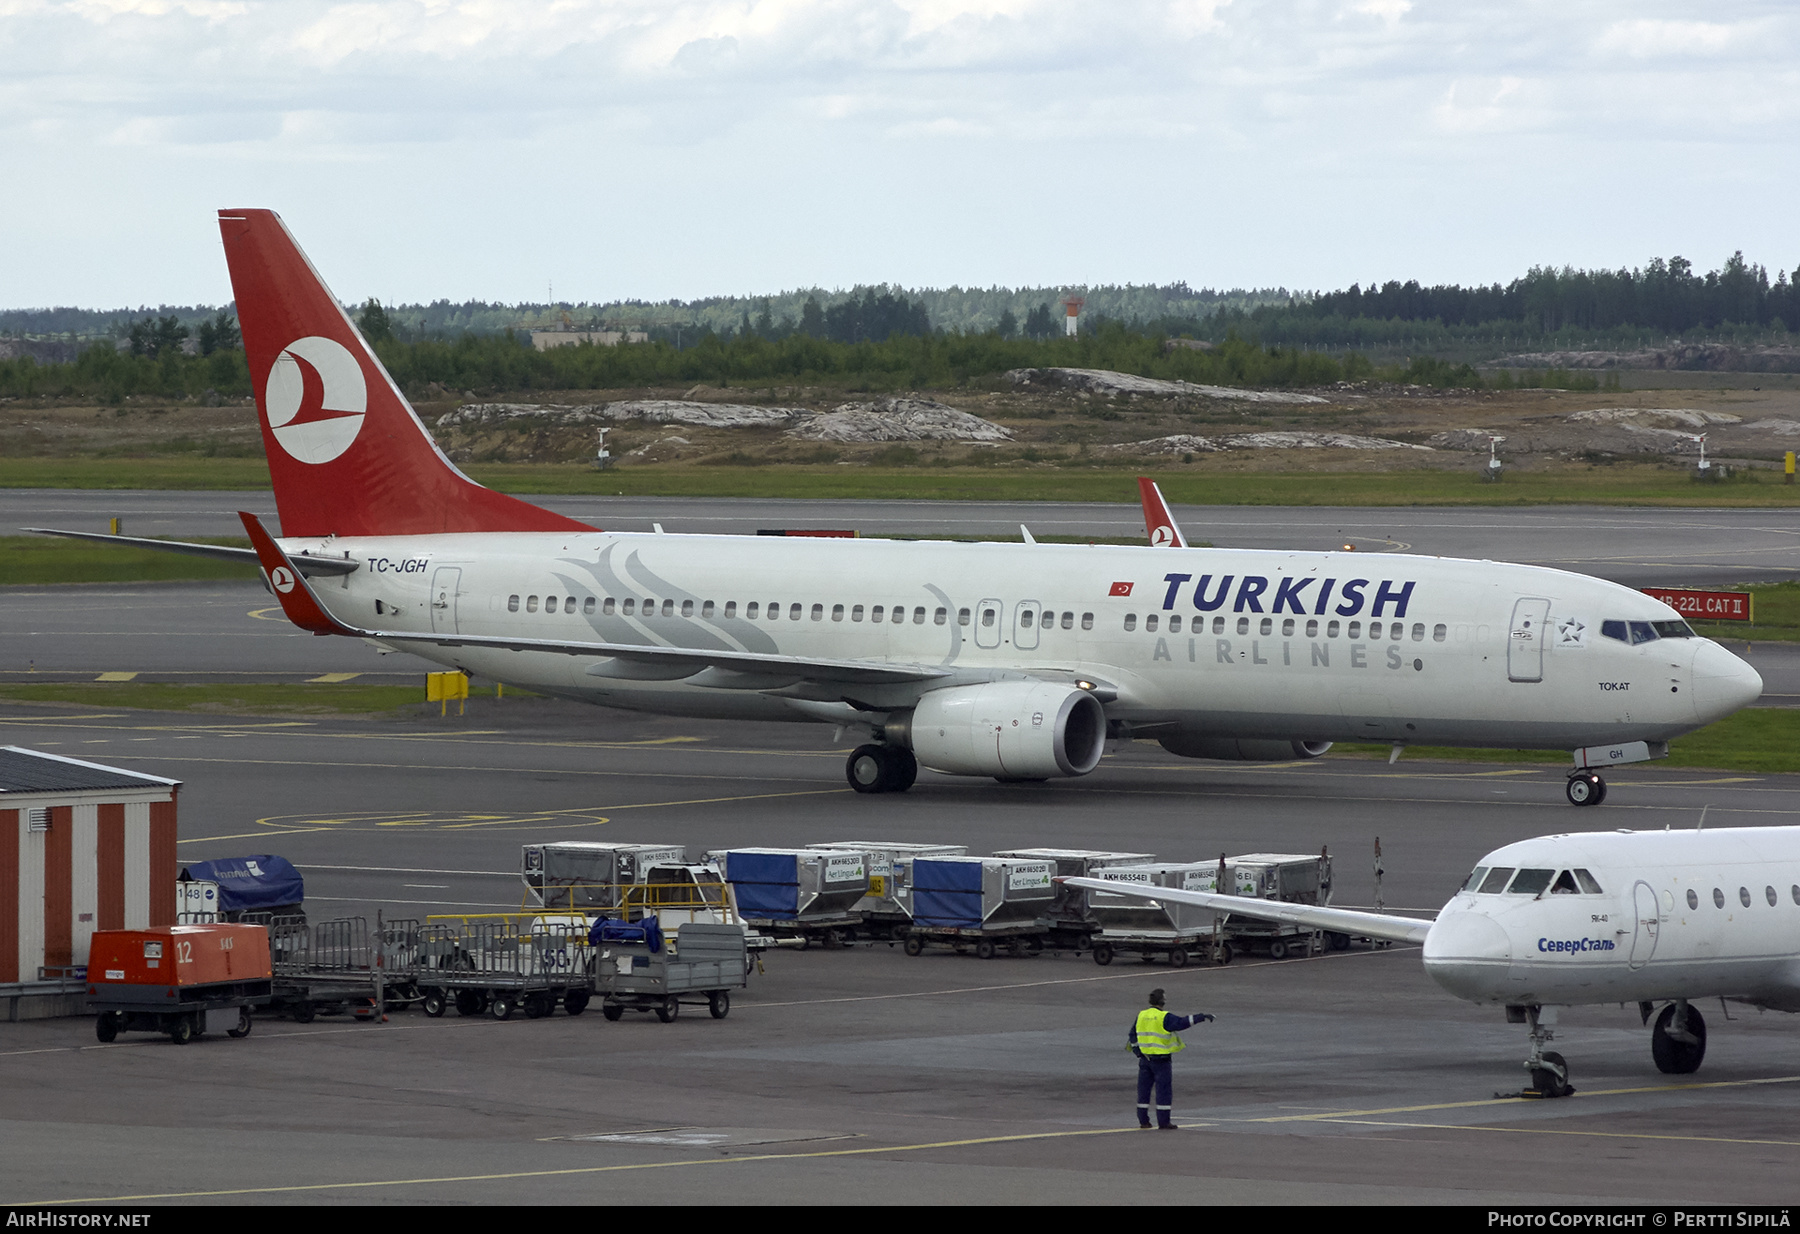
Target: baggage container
[[797, 885], [183, 980], [1178, 932], [971, 893], [587, 875], [889, 902], [1069, 907], [1294, 878]]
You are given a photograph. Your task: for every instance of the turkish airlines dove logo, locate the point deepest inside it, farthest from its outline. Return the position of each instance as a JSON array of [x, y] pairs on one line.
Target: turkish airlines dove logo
[[316, 399], [1162, 537]]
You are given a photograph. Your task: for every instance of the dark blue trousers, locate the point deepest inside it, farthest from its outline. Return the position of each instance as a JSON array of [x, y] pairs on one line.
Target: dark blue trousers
[[1156, 1071]]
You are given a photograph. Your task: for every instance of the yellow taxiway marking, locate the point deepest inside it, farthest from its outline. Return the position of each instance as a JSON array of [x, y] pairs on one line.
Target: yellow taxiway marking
[[253, 835], [1350, 1115], [591, 1169], [262, 614], [333, 678], [116, 677], [657, 805]]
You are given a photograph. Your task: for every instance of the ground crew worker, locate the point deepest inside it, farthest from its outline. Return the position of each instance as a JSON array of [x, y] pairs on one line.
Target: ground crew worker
[[1154, 1042]]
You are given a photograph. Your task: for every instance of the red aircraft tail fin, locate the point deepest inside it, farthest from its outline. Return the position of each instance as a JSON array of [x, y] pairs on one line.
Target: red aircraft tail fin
[[1159, 524], [347, 454]]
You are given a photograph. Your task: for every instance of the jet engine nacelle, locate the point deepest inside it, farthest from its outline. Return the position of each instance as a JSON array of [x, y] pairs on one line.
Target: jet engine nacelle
[[1015, 730], [1242, 748]]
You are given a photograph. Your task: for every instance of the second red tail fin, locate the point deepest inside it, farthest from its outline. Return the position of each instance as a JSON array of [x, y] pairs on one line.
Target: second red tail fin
[[1159, 524], [347, 454]]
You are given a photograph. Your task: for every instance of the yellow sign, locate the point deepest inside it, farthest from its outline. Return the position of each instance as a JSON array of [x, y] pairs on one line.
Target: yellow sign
[[442, 687]]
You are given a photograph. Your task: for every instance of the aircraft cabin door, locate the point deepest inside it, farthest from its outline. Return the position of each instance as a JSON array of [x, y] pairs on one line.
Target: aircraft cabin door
[[988, 615], [1525, 642], [1025, 625], [444, 582], [1648, 919]]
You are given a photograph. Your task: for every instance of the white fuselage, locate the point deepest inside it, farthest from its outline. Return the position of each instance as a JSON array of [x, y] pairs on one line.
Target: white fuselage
[[1237, 643], [1672, 915]]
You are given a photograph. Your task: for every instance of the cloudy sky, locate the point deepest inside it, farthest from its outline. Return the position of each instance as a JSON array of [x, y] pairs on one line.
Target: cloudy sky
[[489, 148]]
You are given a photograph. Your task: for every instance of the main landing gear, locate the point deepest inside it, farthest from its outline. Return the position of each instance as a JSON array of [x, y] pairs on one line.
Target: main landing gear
[[1585, 788], [881, 769], [1678, 1042]]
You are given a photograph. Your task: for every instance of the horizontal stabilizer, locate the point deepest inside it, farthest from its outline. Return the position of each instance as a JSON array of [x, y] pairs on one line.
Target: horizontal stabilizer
[[307, 563], [1311, 916]]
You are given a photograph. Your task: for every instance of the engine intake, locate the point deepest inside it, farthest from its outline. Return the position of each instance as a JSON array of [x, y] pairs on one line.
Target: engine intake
[[1016, 730]]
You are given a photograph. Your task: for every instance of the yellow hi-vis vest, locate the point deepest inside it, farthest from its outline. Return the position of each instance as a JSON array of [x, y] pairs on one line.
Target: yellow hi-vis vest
[[1152, 1038]]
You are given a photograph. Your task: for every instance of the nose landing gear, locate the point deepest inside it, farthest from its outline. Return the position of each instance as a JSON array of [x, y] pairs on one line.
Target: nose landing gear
[[1549, 1071], [1585, 788]]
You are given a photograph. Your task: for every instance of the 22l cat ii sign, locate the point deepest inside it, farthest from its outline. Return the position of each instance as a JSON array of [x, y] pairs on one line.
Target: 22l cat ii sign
[[1707, 605]]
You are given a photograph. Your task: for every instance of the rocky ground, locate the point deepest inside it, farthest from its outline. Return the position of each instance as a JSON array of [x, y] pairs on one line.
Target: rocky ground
[[1069, 417]]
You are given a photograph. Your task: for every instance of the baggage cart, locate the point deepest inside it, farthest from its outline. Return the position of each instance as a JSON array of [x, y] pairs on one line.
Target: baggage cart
[[798, 893], [887, 910], [329, 967], [982, 902], [1151, 928], [1070, 924], [504, 963], [1294, 878], [183, 980], [705, 964]]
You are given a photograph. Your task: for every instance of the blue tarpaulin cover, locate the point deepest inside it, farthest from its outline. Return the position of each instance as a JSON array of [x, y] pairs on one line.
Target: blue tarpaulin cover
[[609, 930], [767, 884], [249, 882], [947, 893]]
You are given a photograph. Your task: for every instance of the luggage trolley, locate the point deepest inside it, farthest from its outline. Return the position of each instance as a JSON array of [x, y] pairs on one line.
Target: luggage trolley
[[183, 980], [504, 962], [986, 902], [636, 969], [328, 967]]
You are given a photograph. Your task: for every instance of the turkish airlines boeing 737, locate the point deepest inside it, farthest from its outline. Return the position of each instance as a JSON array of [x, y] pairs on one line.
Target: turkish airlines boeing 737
[[1015, 661]]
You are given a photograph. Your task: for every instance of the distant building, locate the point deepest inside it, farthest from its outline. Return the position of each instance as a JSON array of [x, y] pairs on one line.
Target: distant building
[[544, 340]]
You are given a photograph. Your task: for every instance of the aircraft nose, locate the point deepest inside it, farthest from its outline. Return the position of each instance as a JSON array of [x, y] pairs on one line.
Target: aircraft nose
[[1722, 682], [1468, 954]]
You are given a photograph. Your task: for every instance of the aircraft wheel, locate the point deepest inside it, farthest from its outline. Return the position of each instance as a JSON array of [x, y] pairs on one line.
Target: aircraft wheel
[[1586, 789], [873, 769], [1673, 1056], [1549, 1082], [905, 769]]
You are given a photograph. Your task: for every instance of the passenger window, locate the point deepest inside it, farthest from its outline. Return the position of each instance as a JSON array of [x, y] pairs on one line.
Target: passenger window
[[1068, 620], [669, 608], [1355, 630], [512, 604], [1267, 626], [1150, 623], [1744, 896], [1615, 629], [1564, 885], [1374, 629], [608, 607], [1131, 621], [919, 616], [687, 608], [1795, 891], [1718, 898], [1218, 625], [750, 610], [1419, 632], [987, 617], [1025, 620], [730, 609], [1438, 632], [1589, 884], [569, 604], [1495, 882], [875, 614], [940, 617], [531, 604], [1396, 630], [794, 612], [818, 612], [1530, 882], [1087, 621], [1287, 627], [1243, 625], [1773, 898], [898, 616], [706, 610], [1331, 631], [587, 606], [837, 612], [1312, 628], [629, 605], [856, 612], [1175, 623], [962, 616], [1473, 882], [1693, 898]]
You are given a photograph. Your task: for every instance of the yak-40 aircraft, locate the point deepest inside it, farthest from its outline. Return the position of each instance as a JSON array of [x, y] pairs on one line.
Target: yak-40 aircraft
[[1643, 917], [1015, 661]]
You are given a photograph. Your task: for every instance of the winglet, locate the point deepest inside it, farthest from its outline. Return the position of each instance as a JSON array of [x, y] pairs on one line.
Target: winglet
[[288, 584], [1159, 524]]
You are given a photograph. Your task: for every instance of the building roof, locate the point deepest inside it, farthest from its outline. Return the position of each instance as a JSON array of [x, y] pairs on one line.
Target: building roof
[[33, 771]]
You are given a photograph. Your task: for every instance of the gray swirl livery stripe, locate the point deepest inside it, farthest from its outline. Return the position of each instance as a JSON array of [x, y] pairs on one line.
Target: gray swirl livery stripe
[[672, 631], [956, 638]]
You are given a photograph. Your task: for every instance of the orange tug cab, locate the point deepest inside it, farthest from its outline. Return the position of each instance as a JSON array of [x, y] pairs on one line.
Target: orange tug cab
[[183, 980]]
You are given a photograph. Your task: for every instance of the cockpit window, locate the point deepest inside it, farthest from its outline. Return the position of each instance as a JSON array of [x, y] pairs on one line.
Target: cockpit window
[[1495, 882], [1564, 884], [1636, 632], [1589, 884], [1473, 882], [1530, 882], [1673, 629], [1641, 632], [1616, 629]]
